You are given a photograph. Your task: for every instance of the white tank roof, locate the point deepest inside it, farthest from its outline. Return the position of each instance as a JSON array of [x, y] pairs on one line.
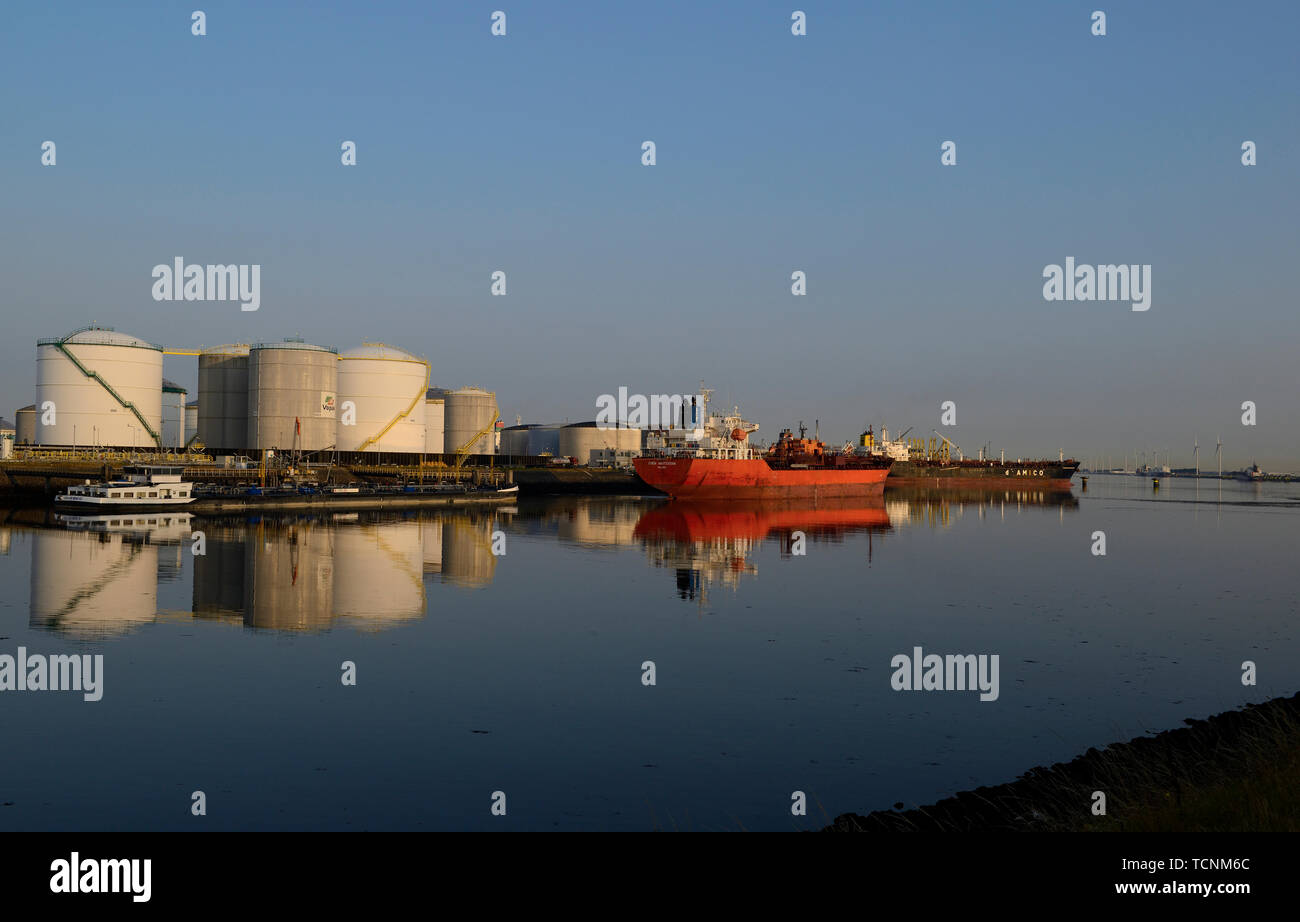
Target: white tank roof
[[100, 336], [228, 349], [380, 351], [293, 344]]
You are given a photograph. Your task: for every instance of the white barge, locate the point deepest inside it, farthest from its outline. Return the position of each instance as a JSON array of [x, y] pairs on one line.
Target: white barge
[[145, 486]]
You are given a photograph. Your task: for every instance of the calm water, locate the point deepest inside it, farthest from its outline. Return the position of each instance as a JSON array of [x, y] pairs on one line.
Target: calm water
[[522, 673]]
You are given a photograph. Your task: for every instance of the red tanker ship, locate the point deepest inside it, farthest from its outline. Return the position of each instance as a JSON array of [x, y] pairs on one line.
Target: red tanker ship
[[715, 461]]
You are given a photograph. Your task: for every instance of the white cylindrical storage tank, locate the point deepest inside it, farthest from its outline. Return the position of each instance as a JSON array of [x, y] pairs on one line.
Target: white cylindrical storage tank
[[435, 420], [292, 384], [386, 388], [173, 414], [191, 421], [105, 388], [591, 444], [25, 425], [471, 411], [222, 422]]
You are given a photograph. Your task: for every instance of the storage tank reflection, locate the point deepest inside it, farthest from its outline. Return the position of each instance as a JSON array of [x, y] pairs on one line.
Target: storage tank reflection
[[219, 573], [359, 570], [467, 558], [379, 573], [431, 539], [289, 572], [93, 584], [594, 522]]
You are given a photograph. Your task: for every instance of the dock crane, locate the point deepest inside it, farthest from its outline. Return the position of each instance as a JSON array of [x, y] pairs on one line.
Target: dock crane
[[948, 442]]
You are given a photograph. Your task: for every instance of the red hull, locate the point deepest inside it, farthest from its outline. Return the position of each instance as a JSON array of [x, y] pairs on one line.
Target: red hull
[[710, 478], [690, 521]]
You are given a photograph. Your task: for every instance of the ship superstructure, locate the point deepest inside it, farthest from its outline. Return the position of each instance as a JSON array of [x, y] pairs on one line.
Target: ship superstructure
[[716, 461]]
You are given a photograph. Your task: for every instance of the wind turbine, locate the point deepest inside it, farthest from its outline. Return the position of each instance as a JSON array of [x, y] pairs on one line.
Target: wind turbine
[[1196, 455], [1218, 453]]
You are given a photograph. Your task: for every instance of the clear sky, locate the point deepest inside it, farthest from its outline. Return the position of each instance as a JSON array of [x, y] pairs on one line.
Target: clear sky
[[775, 153]]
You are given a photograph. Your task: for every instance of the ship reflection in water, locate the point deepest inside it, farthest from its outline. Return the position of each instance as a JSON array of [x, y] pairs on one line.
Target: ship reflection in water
[[97, 577], [939, 507], [710, 542]]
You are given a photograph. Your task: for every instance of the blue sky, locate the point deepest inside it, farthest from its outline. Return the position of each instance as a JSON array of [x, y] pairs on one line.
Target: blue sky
[[775, 153]]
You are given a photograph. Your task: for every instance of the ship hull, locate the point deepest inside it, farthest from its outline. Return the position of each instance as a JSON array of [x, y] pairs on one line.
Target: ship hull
[[712, 478], [1051, 475]]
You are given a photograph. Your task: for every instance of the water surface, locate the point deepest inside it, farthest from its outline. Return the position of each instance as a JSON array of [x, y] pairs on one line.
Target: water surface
[[522, 673]]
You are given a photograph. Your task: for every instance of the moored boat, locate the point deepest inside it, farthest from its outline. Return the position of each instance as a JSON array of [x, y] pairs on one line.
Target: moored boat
[[917, 464], [716, 461], [141, 487]]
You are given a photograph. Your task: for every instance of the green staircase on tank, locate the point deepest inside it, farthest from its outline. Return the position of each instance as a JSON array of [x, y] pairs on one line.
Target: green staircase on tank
[[94, 375]]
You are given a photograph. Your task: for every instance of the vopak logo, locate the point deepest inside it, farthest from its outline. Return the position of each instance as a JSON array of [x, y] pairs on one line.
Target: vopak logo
[[180, 282]]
